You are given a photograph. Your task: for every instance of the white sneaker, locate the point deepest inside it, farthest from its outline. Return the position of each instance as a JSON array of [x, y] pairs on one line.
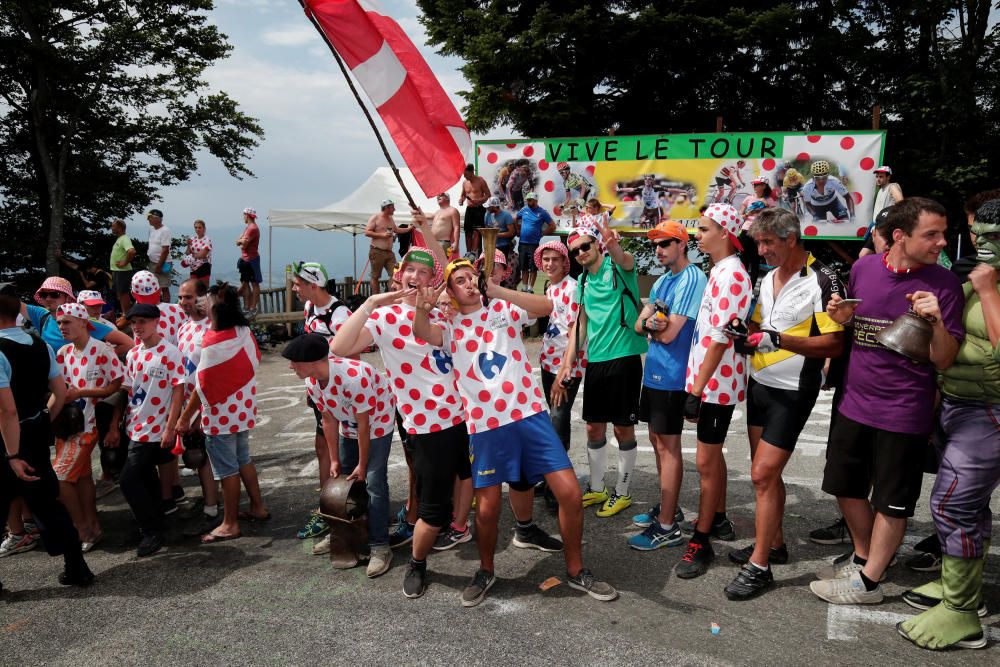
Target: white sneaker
[[846, 590], [322, 547], [15, 544], [844, 566], [379, 562]]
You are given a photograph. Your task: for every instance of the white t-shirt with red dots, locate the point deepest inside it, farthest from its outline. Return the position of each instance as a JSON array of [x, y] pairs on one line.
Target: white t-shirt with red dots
[[420, 376], [325, 320], [556, 338], [151, 374], [355, 388], [494, 375], [727, 295], [189, 343], [171, 319], [93, 367]]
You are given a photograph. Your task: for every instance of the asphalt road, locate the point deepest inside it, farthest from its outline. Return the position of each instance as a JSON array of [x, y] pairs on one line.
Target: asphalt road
[[264, 599]]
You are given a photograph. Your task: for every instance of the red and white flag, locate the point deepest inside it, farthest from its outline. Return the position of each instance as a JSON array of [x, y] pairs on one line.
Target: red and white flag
[[228, 363], [423, 121]]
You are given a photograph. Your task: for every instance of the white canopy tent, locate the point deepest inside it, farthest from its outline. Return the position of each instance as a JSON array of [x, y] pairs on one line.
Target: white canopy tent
[[351, 213]]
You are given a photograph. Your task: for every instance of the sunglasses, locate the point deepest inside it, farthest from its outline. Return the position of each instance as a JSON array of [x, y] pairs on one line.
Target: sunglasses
[[666, 243], [50, 295], [583, 247]]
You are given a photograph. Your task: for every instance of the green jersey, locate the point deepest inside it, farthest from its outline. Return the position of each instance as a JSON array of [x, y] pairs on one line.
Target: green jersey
[[119, 253], [610, 298]]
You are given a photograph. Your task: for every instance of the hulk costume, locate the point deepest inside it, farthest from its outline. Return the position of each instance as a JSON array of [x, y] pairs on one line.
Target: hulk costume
[[968, 474]]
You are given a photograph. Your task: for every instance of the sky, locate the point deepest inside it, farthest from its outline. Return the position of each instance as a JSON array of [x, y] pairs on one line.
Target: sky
[[317, 148]]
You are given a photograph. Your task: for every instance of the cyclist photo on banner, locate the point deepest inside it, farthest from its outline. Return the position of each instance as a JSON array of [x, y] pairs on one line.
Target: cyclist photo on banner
[[825, 194]]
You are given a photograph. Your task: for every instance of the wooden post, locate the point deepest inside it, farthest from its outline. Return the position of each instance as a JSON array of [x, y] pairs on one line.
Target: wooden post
[[718, 124], [876, 116], [289, 301]]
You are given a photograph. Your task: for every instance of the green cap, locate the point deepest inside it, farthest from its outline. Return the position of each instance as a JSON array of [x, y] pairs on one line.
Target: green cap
[[421, 257], [311, 272]]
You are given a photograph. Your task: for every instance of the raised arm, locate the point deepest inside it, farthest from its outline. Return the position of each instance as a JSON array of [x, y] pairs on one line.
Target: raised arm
[[537, 305], [422, 326]]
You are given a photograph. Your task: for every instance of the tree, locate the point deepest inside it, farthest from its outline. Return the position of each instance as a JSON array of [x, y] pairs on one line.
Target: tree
[[102, 103]]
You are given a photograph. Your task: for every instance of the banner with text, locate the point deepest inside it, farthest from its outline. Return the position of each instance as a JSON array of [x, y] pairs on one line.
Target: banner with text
[[825, 178]]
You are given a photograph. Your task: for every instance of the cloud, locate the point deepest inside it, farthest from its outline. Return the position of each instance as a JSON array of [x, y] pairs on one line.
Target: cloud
[[290, 35]]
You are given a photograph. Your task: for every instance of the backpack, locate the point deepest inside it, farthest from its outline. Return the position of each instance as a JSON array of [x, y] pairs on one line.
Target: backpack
[[615, 277]]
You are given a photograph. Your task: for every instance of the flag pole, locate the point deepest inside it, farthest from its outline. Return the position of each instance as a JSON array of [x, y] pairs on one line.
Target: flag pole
[[371, 121]]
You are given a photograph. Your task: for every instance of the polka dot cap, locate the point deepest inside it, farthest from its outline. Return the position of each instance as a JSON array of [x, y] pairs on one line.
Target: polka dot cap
[[74, 310], [144, 284], [728, 218], [499, 259]]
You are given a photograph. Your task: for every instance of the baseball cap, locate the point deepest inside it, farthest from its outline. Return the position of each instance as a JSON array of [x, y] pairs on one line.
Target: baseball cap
[[145, 310], [443, 195], [457, 264], [531, 195], [250, 211], [89, 297], [668, 229], [312, 272], [760, 180], [884, 169], [145, 287], [387, 202], [493, 201], [75, 310], [155, 211], [726, 217]]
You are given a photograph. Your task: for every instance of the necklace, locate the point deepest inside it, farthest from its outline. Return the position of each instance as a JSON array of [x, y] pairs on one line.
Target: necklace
[[886, 264]]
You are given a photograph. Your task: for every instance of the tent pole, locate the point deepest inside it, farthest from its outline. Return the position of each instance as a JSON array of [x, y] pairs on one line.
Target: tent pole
[[371, 121], [354, 267], [270, 255]]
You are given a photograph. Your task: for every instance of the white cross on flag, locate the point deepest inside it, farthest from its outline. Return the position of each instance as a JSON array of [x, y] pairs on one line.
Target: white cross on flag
[[423, 121]]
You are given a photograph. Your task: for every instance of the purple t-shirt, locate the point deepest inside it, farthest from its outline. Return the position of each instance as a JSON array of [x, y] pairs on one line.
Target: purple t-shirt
[[882, 388]]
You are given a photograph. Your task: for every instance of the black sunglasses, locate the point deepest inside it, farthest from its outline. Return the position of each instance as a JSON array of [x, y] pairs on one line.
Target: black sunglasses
[[50, 295], [666, 243], [583, 247]]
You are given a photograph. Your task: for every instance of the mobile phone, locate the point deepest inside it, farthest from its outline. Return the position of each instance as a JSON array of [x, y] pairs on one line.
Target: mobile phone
[[850, 302]]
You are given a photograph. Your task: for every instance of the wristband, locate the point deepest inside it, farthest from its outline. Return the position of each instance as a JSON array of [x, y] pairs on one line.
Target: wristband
[[10, 457]]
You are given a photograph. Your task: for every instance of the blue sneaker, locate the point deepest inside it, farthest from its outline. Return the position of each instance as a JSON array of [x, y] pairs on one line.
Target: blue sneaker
[[655, 536], [403, 535], [400, 516], [315, 527], [646, 518]]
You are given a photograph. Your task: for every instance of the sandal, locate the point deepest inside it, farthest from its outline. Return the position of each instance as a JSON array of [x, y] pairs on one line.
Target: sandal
[[212, 538]]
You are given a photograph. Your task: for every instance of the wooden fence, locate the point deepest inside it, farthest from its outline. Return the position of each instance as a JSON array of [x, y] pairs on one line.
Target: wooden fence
[[280, 305]]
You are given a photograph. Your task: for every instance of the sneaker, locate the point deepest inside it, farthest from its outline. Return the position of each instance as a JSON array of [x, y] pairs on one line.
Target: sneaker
[[750, 582], [534, 537], [149, 545], [925, 602], [168, 506], [314, 527], [929, 544], [835, 533], [646, 519], [475, 592], [31, 528], [843, 566], [452, 538], [322, 547], [401, 536], [777, 556], [415, 580], [695, 560], [846, 590], [16, 544], [655, 536], [177, 492], [614, 505], [379, 562], [591, 497], [724, 530], [400, 516], [925, 562], [103, 488], [78, 576], [586, 581]]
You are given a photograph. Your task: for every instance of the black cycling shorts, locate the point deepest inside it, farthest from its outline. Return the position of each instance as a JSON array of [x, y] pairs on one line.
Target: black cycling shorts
[[782, 413], [713, 423], [611, 391], [663, 410]]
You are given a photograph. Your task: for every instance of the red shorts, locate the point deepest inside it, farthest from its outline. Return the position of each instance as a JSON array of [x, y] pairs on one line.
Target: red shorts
[[73, 457]]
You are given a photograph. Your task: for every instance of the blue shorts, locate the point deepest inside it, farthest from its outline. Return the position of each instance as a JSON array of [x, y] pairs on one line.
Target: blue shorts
[[522, 451], [228, 452], [249, 270]]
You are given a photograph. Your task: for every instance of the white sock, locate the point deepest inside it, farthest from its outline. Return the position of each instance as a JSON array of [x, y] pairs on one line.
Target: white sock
[[211, 511], [627, 452], [762, 567], [597, 455]]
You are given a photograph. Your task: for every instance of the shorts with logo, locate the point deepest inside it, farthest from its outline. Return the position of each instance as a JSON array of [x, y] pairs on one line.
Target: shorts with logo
[[663, 410], [249, 270], [381, 260], [782, 413], [72, 460], [525, 451], [611, 391], [713, 423], [862, 459], [437, 458]]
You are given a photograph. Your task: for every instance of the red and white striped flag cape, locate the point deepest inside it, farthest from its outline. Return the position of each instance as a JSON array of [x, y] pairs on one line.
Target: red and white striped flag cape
[[228, 364], [424, 123]]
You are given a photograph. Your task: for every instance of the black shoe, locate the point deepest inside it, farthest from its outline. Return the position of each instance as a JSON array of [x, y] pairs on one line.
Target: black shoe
[[695, 560], [835, 533], [168, 506], [750, 582], [777, 556], [929, 545], [724, 530], [475, 592], [415, 580], [77, 576], [925, 562], [149, 545], [178, 492], [534, 537]]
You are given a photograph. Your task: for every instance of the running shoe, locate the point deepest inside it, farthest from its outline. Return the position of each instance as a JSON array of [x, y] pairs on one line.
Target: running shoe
[[930, 544], [924, 562], [149, 545], [400, 516], [16, 544], [643, 520], [534, 537], [750, 582], [314, 527], [31, 528], [379, 562], [403, 535], [591, 497], [846, 590], [586, 581], [614, 505], [836, 533], [724, 530], [777, 556], [844, 565], [925, 602], [77, 576], [415, 580], [475, 592], [695, 560], [168, 506], [452, 538], [656, 536]]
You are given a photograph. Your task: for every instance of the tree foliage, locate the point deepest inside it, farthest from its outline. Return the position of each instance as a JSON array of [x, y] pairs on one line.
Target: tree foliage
[[102, 103], [573, 68]]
